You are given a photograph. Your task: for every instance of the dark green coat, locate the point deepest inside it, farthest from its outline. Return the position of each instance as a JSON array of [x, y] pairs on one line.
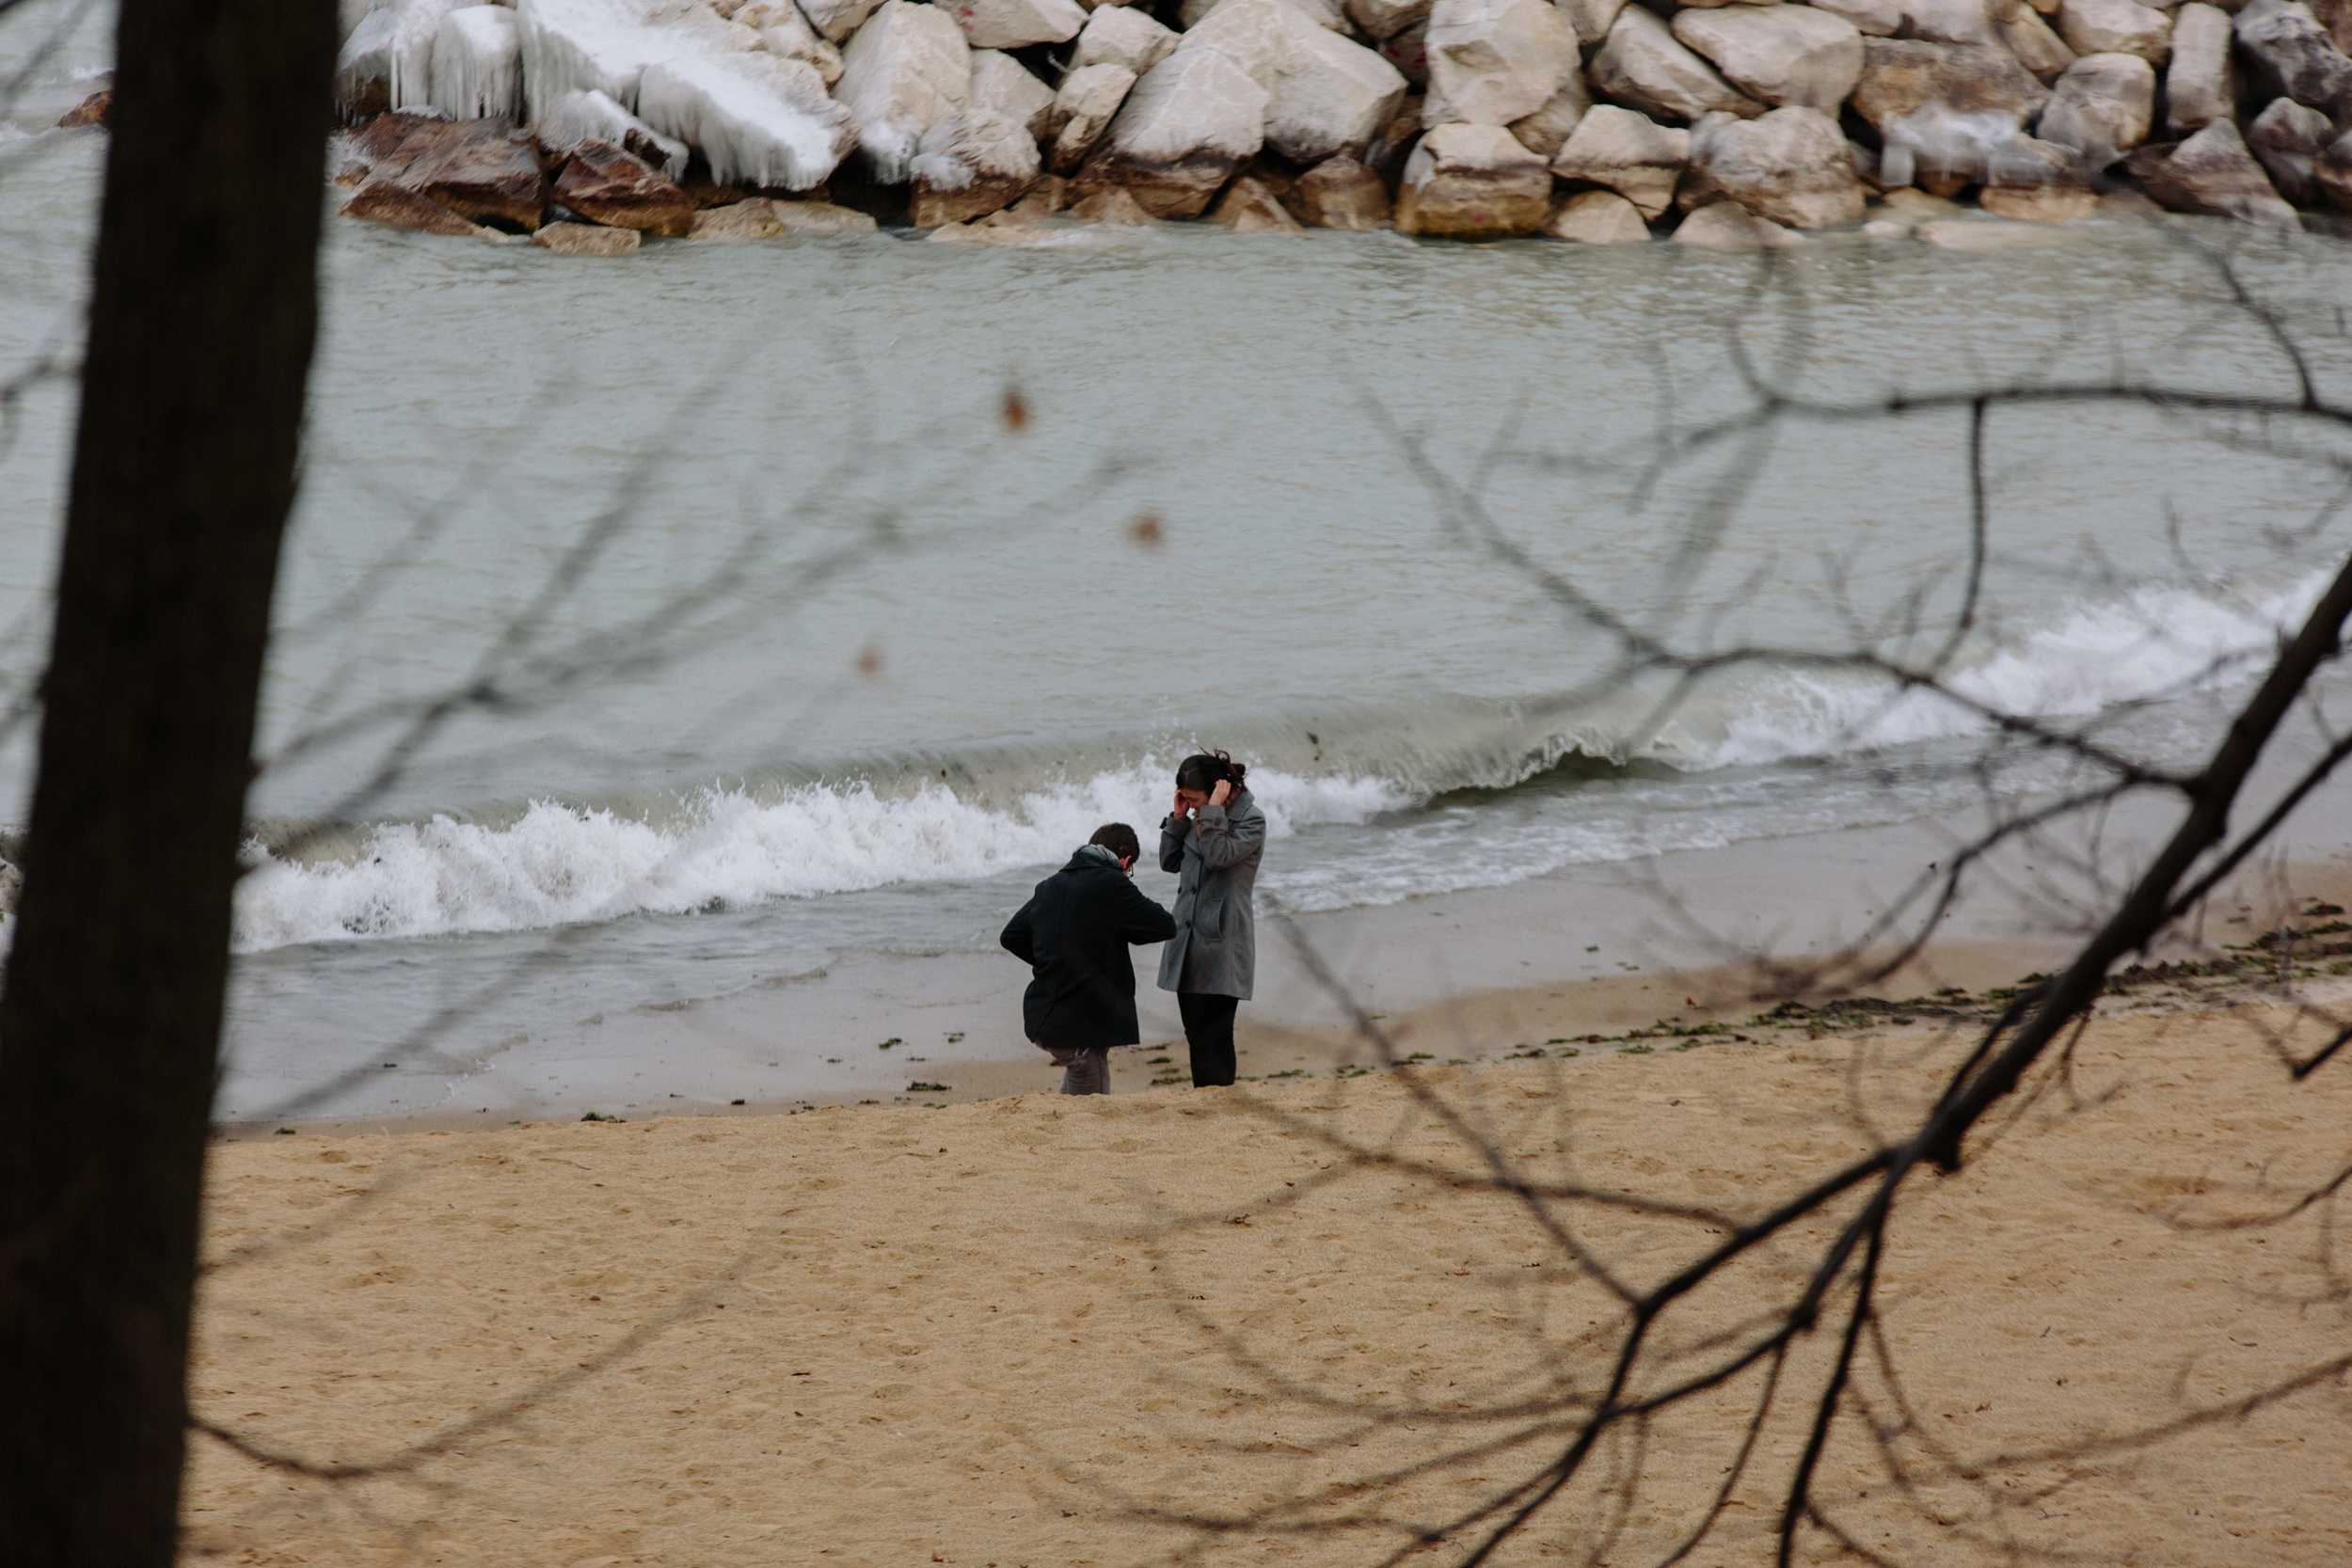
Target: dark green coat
[[1073, 934]]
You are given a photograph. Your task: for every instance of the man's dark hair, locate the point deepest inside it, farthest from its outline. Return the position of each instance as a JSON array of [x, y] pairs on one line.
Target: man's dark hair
[[1120, 839]]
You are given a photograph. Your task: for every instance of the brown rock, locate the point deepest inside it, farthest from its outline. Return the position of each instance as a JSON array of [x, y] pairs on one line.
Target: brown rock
[[93, 110], [1474, 182], [586, 239], [1179, 187], [484, 169], [1903, 76], [821, 219], [2037, 203], [1249, 207], [702, 194], [1340, 193], [1051, 194], [2331, 171], [1114, 206], [623, 191], [755, 219], [2212, 173], [490, 170], [382, 201]]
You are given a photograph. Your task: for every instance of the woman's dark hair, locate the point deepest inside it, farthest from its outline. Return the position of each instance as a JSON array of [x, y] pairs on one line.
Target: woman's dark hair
[[1205, 770]]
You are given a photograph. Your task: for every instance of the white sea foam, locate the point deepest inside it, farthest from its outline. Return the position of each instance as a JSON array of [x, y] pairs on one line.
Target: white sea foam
[[2154, 643], [558, 865]]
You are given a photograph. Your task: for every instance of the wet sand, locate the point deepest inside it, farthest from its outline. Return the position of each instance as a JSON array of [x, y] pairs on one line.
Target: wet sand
[[1027, 1331]]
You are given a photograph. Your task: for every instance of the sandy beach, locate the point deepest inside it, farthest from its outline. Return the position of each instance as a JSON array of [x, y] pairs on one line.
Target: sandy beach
[[1037, 1331]]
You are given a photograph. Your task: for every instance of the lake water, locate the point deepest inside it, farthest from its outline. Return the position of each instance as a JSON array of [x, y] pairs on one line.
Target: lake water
[[793, 647]]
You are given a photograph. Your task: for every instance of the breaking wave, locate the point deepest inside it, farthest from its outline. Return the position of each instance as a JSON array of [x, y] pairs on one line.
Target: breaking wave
[[911, 821]]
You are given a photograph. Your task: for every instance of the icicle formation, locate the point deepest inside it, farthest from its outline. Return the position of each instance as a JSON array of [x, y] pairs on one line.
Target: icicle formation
[[477, 65], [584, 46], [573, 117], [415, 26], [759, 121]]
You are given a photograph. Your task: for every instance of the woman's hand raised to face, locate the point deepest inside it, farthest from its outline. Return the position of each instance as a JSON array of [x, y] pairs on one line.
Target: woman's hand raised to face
[[1222, 793], [1184, 807]]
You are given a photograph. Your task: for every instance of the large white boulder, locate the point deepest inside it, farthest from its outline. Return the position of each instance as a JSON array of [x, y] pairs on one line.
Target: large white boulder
[[2201, 84], [1777, 53], [575, 119], [1792, 166], [477, 65], [1323, 13], [1494, 62], [1323, 94], [1597, 217], [2212, 173], [905, 70], [1003, 85], [784, 31], [1545, 131], [2116, 28], [1930, 21], [2287, 139], [2040, 51], [835, 19], [2103, 107], [1017, 24], [1088, 101], [1592, 19], [1728, 226], [1642, 65], [758, 120], [1629, 153], [1120, 34], [1472, 183], [1184, 128], [2294, 56]]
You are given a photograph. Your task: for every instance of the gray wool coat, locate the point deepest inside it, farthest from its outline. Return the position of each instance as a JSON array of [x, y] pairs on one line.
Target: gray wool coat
[[1214, 853]]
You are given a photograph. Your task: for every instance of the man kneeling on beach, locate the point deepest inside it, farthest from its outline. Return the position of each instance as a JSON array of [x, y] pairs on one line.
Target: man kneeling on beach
[[1073, 934]]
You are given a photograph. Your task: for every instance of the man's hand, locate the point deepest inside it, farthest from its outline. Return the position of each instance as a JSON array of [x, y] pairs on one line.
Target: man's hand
[[1222, 793]]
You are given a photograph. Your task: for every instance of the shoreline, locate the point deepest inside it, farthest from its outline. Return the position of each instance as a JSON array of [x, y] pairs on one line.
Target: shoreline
[[1592, 944], [994, 1332]]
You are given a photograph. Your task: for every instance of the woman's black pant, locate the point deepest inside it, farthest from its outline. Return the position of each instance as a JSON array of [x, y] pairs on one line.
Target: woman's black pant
[[1209, 1031]]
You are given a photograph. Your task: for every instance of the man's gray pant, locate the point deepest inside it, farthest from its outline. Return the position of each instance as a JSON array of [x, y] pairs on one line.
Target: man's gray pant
[[1085, 1070]]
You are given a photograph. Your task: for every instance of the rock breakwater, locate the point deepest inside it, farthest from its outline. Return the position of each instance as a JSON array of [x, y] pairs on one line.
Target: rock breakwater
[[1599, 122]]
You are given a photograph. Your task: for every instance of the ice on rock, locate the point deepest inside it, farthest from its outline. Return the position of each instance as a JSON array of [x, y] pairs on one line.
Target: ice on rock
[[577, 117], [758, 120], [477, 65], [787, 34], [415, 26], [584, 47], [908, 69], [1003, 85], [975, 145]]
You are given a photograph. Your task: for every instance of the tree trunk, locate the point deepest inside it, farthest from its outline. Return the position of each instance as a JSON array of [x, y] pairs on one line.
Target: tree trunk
[[203, 314]]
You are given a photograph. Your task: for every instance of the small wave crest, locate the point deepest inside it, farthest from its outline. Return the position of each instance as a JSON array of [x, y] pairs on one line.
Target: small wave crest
[[560, 865]]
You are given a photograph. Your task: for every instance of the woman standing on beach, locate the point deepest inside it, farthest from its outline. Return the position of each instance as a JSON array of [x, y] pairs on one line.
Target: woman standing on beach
[[1213, 840]]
